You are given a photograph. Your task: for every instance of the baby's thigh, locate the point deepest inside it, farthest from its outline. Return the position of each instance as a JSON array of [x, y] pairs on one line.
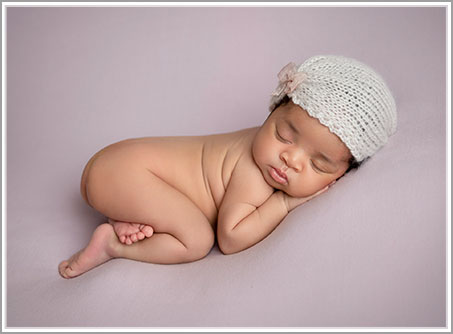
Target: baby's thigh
[[127, 191]]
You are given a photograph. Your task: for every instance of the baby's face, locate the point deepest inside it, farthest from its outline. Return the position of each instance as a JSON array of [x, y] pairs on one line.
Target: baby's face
[[294, 143]]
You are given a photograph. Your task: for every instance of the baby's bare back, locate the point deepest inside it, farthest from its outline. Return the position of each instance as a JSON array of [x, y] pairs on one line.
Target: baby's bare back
[[200, 167]]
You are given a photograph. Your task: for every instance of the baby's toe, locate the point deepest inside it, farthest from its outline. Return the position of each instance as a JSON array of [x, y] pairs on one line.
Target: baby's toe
[[61, 268], [148, 231], [69, 273], [140, 235], [134, 237], [123, 239], [128, 241], [63, 264]]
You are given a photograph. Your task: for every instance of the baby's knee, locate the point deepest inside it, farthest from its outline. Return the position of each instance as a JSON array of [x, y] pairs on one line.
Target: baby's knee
[[199, 247]]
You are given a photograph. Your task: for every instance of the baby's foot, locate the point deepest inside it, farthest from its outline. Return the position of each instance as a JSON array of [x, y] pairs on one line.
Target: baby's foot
[[129, 233], [100, 249]]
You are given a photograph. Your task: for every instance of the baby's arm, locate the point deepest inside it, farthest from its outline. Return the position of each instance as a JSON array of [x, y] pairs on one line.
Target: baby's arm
[[251, 210], [242, 224]]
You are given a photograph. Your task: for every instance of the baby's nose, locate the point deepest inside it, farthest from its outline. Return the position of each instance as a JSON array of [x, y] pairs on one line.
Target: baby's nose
[[293, 160]]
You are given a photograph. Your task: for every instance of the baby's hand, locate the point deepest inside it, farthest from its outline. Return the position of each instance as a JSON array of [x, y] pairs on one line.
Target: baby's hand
[[293, 202]]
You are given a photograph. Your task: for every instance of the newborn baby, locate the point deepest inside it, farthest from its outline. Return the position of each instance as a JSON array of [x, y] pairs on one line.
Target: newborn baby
[[168, 199]]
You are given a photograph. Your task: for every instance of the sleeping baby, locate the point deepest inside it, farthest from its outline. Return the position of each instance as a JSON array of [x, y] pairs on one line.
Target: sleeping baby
[[168, 199]]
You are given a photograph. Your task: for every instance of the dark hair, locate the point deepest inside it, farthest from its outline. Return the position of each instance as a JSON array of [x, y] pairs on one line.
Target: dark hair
[[353, 163], [283, 101]]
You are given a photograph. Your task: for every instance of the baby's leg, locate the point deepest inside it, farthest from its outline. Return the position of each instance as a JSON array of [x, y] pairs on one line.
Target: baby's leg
[[104, 246], [182, 233], [100, 249], [131, 193]]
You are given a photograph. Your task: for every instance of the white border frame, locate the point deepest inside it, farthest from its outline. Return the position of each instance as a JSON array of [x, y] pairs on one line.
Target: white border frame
[[224, 4]]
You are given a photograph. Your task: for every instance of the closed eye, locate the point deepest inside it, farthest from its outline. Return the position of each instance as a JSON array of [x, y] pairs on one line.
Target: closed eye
[[279, 137], [317, 168]]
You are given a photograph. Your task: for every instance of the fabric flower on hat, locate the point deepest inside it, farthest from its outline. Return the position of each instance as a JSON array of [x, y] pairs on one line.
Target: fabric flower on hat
[[289, 79]]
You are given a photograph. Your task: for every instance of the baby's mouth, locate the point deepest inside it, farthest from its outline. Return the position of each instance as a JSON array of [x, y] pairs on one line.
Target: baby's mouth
[[278, 176]]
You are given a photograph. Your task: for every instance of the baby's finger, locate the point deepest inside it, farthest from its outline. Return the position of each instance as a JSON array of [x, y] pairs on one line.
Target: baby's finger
[[322, 190], [316, 194], [326, 187]]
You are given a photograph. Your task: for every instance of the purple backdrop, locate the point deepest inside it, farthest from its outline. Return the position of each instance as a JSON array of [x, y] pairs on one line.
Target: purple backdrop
[[370, 252]]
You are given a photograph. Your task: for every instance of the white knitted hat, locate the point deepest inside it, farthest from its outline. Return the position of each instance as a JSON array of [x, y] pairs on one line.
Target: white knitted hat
[[345, 95]]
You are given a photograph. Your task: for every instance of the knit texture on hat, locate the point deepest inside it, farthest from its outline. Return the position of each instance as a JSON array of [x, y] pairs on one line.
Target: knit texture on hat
[[348, 97]]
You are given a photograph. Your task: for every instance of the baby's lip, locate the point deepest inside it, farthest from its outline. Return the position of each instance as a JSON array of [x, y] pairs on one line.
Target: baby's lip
[[281, 173], [278, 175]]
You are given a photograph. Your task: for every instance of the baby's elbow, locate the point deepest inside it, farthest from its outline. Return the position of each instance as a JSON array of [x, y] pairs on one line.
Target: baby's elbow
[[226, 244], [227, 251]]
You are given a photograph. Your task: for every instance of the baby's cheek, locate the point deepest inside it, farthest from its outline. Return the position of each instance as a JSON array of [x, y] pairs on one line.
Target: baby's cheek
[[260, 149]]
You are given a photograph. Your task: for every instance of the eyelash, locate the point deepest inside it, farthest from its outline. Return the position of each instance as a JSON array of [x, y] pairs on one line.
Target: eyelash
[[317, 168], [279, 137]]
